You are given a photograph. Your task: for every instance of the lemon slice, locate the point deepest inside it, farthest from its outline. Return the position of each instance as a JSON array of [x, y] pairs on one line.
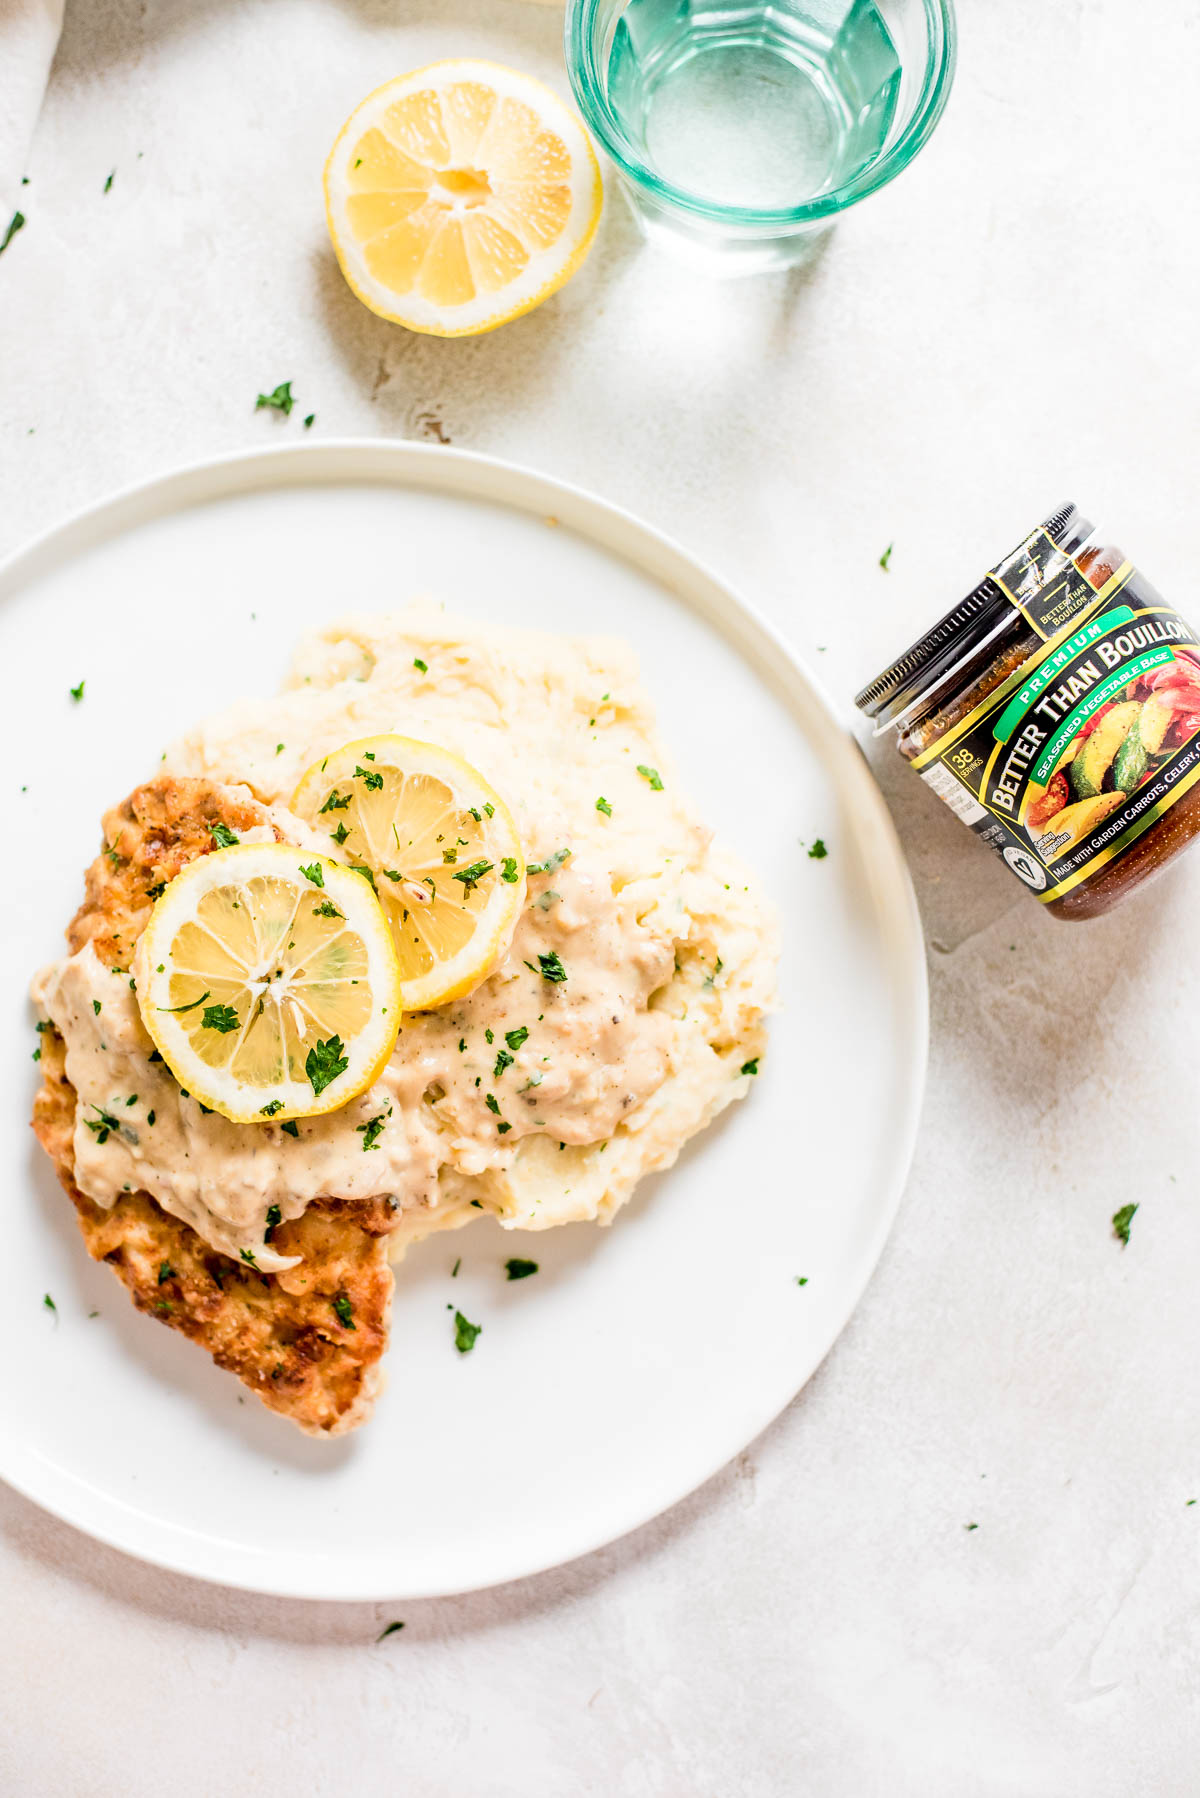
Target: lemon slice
[[441, 847], [460, 196], [268, 981]]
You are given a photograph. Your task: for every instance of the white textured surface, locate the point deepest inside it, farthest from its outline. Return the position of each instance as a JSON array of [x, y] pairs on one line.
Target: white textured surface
[[1011, 324]]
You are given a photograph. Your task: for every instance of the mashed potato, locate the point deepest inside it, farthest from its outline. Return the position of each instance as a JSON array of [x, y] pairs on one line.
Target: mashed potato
[[669, 955]]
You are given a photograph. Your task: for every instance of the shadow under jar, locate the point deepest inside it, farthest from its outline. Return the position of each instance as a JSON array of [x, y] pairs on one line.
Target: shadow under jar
[[1056, 710]]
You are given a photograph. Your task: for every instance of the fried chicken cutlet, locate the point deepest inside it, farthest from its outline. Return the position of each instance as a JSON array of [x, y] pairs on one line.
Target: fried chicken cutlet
[[307, 1340]]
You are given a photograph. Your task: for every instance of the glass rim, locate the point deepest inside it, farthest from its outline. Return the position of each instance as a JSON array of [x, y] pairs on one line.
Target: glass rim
[[602, 121]]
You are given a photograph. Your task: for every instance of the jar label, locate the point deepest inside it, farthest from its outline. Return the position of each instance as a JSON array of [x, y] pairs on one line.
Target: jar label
[[1067, 762], [1043, 583]]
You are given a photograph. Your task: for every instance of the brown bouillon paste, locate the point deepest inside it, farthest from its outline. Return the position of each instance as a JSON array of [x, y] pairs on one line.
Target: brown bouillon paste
[[1057, 711]]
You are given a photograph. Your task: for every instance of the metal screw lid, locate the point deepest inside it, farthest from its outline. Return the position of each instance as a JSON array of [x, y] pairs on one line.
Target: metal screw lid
[[963, 629]]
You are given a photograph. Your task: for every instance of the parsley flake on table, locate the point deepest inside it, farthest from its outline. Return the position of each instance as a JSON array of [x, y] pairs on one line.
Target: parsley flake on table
[[108, 183], [279, 401], [390, 1628], [219, 1017], [14, 225], [652, 775], [818, 852], [49, 1304], [886, 557], [309, 421], [520, 1270], [465, 1333], [313, 872], [325, 1062], [77, 692], [602, 805], [223, 837], [344, 1311], [1121, 1222]]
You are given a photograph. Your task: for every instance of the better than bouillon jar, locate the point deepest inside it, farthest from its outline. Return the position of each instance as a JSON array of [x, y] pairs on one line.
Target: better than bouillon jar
[[1057, 711]]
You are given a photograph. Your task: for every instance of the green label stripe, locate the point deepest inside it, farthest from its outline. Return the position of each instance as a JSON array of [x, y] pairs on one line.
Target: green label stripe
[[1045, 674], [1046, 762]]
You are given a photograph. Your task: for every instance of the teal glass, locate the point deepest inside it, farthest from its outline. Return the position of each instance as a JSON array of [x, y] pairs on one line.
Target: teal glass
[[741, 129]]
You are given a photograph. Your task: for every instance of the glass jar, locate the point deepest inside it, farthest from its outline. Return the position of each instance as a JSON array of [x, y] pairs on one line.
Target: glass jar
[[1057, 711]]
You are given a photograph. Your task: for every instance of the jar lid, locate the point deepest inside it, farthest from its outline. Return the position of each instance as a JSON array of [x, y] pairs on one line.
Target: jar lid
[[953, 639]]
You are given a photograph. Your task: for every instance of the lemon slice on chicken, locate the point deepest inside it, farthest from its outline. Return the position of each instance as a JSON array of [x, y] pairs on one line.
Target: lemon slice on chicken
[[268, 981], [460, 196], [441, 848]]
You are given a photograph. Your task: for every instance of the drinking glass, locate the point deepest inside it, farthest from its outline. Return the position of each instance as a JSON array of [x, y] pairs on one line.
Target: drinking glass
[[742, 128]]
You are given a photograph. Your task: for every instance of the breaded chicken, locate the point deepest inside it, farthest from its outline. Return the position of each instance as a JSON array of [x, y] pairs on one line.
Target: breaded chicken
[[283, 1334]]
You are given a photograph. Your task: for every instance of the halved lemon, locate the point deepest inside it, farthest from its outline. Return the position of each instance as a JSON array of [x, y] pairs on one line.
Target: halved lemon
[[460, 196], [268, 981], [441, 847]]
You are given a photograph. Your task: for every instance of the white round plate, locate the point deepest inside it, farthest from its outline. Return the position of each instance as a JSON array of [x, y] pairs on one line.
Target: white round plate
[[641, 1357]]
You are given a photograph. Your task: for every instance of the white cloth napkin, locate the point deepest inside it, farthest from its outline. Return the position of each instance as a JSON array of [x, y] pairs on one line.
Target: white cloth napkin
[[28, 37]]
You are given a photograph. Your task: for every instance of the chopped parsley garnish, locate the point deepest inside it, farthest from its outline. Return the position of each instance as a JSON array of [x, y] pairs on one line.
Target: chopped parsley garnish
[[165, 1272], [270, 1108], [14, 225], [340, 834], [77, 692], [157, 890], [492, 1104], [450, 855], [391, 1628], [750, 1067], [292, 1127], [371, 776], [177, 1008], [802, 1279], [391, 874], [313, 872], [652, 775], [502, 1129], [95, 1008], [109, 181], [602, 805], [551, 967], [325, 1062], [520, 1270], [309, 421], [471, 876], [455, 1268], [248, 1255], [489, 1036], [343, 1310], [274, 1217], [551, 866], [151, 1119], [818, 852], [223, 837], [326, 909], [886, 557], [1121, 1222], [514, 1038], [489, 809], [462, 1044], [48, 1302], [361, 868], [509, 871], [279, 748], [420, 666], [219, 1017], [279, 401], [503, 1060], [337, 802], [102, 1125], [465, 1333], [372, 1130]]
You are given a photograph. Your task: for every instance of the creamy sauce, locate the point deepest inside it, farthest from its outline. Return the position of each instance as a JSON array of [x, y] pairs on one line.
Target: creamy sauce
[[533, 1099]]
